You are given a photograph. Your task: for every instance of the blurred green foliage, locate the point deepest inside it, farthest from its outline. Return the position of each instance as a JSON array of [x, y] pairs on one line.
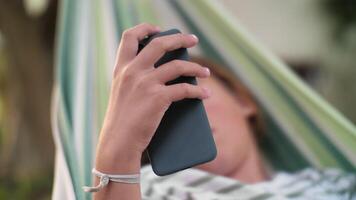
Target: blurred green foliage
[[37, 187], [2, 78], [26, 145], [343, 11]]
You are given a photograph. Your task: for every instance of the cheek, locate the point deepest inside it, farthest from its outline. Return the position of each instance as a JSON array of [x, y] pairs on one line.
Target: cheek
[[232, 140], [230, 131]]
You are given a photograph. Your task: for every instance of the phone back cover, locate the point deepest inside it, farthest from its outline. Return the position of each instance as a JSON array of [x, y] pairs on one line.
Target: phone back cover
[[183, 138]]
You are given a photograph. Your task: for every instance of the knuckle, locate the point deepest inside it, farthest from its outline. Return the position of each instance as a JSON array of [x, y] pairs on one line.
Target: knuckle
[[175, 63], [185, 87], [196, 66], [145, 25], [178, 67], [127, 75], [159, 43], [116, 71], [181, 69], [127, 34], [182, 37], [200, 69]]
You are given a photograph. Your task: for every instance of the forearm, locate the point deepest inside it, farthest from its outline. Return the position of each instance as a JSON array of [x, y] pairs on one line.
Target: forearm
[[139, 98], [124, 162]]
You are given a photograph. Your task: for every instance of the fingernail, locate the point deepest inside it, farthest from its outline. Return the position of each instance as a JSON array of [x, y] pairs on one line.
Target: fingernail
[[194, 36], [207, 71]]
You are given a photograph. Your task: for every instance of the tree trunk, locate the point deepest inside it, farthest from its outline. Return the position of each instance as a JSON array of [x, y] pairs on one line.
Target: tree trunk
[[28, 146]]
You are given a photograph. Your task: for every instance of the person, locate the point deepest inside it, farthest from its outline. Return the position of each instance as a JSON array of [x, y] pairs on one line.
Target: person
[[138, 100]]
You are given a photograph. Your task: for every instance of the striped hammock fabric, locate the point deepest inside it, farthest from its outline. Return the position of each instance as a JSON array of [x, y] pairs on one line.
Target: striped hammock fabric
[[303, 130]]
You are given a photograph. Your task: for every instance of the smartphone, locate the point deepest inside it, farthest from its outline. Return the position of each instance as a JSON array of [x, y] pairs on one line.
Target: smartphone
[[183, 138]]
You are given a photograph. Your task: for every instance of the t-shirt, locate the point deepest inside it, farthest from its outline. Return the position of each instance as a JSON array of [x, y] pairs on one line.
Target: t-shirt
[[191, 184]]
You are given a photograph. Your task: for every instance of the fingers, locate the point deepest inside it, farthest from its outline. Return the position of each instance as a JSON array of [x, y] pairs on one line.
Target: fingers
[[181, 91], [160, 45], [177, 68], [130, 38]]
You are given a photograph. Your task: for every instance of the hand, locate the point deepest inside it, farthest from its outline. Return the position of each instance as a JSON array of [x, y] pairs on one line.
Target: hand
[[139, 96]]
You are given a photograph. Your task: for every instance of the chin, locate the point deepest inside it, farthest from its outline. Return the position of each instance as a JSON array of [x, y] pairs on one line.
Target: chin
[[221, 165]]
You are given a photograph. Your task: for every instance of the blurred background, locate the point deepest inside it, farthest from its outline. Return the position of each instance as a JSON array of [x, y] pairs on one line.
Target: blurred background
[[316, 38]]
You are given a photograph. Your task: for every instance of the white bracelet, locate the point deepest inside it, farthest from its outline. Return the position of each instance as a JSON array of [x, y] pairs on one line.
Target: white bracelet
[[106, 178]]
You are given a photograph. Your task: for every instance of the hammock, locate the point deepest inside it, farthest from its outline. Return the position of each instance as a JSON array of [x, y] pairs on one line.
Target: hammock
[[302, 129]]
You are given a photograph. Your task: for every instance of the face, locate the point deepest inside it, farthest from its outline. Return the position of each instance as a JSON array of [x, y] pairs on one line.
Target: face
[[228, 120]]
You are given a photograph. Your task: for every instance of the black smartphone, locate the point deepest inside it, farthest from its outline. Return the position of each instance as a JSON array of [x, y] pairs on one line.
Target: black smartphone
[[183, 138]]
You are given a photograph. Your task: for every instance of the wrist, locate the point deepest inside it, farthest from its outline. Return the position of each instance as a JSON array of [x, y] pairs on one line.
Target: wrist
[[118, 156]]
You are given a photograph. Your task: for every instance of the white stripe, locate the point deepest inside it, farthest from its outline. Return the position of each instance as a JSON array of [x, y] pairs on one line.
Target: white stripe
[[62, 185]]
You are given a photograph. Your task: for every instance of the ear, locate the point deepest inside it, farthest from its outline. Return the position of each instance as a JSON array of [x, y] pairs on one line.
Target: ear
[[249, 109], [247, 105]]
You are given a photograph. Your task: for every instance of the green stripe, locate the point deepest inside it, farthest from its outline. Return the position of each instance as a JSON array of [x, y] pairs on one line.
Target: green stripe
[[316, 135], [125, 16], [280, 151], [64, 72], [130, 6], [332, 121], [210, 51], [102, 88], [146, 12], [115, 5], [207, 48], [69, 150], [309, 138], [88, 147]]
